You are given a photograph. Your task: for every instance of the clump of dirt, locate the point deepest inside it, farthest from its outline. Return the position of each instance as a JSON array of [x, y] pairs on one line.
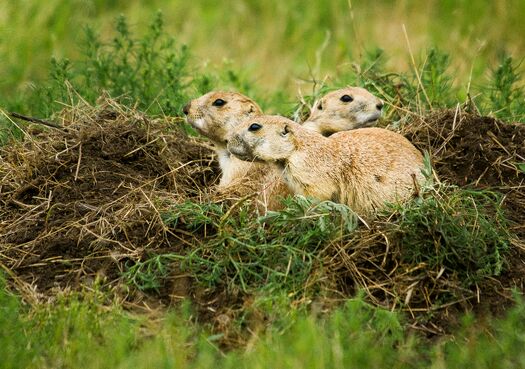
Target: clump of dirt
[[477, 152], [82, 201]]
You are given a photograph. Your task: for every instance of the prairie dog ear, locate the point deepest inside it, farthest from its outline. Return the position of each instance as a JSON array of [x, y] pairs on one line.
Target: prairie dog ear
[[286, 130], [319, 105], [251, 109]]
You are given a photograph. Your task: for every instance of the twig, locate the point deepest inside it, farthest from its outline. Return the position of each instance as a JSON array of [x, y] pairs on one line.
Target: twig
[[78, 163], [36, 120]]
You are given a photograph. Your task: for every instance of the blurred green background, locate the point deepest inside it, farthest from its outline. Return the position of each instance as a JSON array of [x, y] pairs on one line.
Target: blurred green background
[[279, 44]]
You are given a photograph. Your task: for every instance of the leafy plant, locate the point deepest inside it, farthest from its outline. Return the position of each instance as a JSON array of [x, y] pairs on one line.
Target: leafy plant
[[279, 250], [506, 94]]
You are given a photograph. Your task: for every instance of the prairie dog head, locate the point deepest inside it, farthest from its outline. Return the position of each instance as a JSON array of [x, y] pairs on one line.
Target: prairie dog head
[[266, 138], [343, 110], [217, 114]]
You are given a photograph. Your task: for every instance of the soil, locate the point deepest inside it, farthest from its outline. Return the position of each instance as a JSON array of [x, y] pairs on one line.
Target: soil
[[477, 152]]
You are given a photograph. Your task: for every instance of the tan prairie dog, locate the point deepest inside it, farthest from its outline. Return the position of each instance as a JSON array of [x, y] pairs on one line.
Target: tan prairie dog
[[216, 115], [343, 110], [362, 168]]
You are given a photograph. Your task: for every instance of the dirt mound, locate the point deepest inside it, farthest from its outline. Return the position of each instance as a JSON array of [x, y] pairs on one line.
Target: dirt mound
[[85, 203], [478, 152], [78, 203], [472, 150]]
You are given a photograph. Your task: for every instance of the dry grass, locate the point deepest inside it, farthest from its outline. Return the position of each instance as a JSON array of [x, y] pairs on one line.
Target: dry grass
[[78, 202]]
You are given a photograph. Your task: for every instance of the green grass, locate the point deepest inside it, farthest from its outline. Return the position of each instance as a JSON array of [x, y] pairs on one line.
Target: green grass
[[320, 39], [78, 332], [462, 231], [246, 254]]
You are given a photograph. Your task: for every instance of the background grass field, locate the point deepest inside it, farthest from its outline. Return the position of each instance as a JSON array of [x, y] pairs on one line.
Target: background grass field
[[417, 56], [280, 45]]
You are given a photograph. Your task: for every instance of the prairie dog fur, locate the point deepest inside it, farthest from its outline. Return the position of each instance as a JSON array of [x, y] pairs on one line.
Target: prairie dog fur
[[361, 168], [343, 110]]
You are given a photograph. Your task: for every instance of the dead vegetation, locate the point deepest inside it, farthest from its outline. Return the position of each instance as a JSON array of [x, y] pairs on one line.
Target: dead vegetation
[[79, 202], [83, 204]]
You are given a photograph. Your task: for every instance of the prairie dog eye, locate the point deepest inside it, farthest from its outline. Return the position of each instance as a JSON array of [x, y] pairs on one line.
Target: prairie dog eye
[[254, 127], [219, 102], [346, 98]]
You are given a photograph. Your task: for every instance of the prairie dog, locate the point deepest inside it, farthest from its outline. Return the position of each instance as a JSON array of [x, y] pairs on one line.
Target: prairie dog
[[361, 168], [216, 115], [343, 110]]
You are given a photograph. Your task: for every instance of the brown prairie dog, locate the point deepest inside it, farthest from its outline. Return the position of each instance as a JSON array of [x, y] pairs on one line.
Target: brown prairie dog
[[362, 168], [215, 115], [343, 110]]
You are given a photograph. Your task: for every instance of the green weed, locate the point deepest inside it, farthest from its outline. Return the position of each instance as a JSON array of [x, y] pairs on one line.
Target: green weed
[[506, 94], [150, 71], [435, 80], [462, 231], [277, 251]]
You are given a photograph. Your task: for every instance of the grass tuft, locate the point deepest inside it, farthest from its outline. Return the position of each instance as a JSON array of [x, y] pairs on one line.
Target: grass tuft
[[277, 251], [506, 93], [462, 231]]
